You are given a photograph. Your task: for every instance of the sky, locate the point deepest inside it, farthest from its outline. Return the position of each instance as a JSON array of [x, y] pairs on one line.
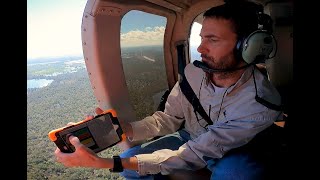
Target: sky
[[54, 28], [139, 29]]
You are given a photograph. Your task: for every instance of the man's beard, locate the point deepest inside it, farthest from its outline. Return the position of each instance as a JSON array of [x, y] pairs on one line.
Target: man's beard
[[226, 62]]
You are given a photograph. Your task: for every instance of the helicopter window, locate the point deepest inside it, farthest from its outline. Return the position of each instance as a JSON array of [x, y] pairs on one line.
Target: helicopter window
[[143, 60], [195, 41]]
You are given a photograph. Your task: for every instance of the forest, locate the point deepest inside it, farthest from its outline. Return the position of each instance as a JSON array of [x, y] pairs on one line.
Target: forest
[[69, 98]]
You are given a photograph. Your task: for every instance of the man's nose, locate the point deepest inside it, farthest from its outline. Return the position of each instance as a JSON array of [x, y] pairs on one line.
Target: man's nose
[[202, 49]]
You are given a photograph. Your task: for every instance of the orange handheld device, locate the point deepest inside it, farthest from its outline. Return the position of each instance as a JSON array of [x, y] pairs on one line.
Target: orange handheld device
[[97, 134]]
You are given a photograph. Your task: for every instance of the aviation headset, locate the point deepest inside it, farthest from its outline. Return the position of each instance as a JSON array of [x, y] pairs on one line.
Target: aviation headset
[[259, 45], [254, 48], [255, 44]]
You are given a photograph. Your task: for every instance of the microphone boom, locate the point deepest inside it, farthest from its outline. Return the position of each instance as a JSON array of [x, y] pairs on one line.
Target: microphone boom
[[207, 69]]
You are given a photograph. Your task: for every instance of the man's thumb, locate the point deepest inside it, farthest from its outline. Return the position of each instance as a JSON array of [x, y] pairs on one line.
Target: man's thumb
[[74, 140]]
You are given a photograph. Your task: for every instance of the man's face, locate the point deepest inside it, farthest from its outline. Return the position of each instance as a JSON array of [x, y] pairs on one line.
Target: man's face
[[218, 43]]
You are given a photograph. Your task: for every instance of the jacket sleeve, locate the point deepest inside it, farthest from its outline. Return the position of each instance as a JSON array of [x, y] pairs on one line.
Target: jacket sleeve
[[220, 138], [161, 123]]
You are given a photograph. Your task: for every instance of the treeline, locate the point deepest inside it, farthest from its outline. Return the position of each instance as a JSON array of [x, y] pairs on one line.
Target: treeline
[[69, 98], [144, 79]]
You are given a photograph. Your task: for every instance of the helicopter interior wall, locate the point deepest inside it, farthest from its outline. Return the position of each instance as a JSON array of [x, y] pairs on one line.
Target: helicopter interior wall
[[280, 68], [101, 48]]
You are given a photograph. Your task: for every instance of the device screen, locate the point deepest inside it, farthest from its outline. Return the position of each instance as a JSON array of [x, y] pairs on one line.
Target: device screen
[[85, 137], [97, 134]]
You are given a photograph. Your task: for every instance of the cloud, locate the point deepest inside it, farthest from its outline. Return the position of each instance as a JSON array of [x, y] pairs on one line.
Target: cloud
[[150, 36]]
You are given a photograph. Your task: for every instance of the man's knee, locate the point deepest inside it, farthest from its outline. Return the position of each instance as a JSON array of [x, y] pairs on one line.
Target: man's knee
[[130, 152], [238, 166], [126, 144]]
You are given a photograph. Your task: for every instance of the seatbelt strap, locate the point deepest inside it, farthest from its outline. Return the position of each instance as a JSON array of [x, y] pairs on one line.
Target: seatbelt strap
[[185, 86], [192, 98]]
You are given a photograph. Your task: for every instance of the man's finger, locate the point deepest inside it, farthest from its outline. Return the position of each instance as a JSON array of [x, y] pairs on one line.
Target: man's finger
[[57, 151], [99, 110], [88, 117], [71, 123]]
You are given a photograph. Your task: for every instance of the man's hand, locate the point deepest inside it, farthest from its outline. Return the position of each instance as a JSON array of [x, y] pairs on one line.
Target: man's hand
[[82, 157], [85, 157], [126, 127]]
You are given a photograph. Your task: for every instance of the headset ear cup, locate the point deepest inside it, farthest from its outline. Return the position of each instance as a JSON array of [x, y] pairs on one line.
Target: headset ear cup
[[238, 48], [257, 47]]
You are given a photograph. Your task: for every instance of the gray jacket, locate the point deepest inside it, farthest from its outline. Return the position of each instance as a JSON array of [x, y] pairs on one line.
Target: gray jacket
[[237, 117]]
